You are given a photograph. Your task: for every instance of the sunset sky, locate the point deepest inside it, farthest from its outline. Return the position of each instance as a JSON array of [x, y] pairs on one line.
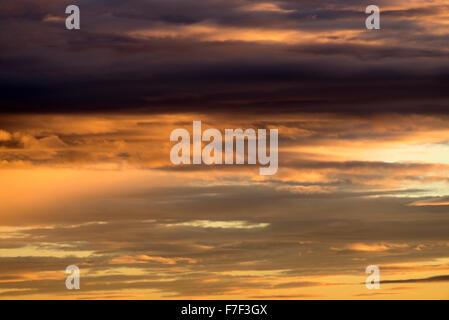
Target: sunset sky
[[85, 171]]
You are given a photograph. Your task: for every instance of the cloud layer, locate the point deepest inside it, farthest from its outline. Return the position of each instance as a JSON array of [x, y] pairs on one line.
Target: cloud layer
[[99, 192], [281, 56], [85, 120]]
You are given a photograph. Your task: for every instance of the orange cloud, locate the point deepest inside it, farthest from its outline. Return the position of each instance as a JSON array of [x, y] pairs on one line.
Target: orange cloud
[[145, 259]]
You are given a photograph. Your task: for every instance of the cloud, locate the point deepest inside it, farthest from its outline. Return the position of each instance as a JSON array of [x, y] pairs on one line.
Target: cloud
[[443, 278], [4, 135], [374, 247], [220, 224], [54, 19], [275, 57], [50, 142], [270, 7], [56, 250], [146, 259], [431, 202], [84, 147]]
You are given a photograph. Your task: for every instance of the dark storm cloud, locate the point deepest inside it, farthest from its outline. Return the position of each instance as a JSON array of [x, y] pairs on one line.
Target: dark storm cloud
[[102, 67], [444, 278]]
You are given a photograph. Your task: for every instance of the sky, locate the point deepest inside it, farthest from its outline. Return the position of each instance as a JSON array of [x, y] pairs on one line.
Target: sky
[[85, 123]]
